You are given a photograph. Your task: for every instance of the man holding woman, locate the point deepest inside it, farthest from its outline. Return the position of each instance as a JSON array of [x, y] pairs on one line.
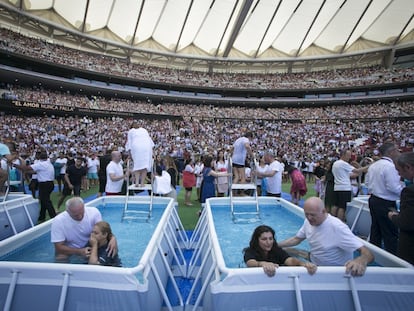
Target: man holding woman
[[71, 231]]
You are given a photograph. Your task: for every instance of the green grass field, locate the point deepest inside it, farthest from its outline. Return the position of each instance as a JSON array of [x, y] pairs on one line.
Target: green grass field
[[188, 214]]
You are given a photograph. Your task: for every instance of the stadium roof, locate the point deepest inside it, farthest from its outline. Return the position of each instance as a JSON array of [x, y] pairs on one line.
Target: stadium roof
[[225, 30]]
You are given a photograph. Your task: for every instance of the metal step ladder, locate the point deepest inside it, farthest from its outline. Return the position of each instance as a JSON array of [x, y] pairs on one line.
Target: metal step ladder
[[142, 213], [243, 187]]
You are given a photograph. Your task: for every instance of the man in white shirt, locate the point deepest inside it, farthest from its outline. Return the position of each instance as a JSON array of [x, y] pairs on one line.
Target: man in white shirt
[[331, 241], [71, 230], [343, 173], [384, 185], [61, 161], [115, 176], [46, 177], [273, 175], [93, 167]]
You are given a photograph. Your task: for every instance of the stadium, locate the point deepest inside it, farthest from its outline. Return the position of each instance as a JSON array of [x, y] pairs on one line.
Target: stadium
[[308, 78]]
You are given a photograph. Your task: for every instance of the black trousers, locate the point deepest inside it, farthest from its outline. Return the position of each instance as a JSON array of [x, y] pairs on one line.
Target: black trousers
[[102, 183], [382, 229], [45, 189]]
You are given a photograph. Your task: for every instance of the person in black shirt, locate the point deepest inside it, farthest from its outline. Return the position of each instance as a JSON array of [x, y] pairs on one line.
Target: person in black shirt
[[73, 180], [103, 163], [320, 172], [172, 170], [264, 252]]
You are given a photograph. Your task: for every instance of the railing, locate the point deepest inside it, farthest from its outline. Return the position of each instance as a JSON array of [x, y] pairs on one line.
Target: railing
[[252, 186], [202, 263], [9, 183], [138, 288], [358, 216], [132, 214]]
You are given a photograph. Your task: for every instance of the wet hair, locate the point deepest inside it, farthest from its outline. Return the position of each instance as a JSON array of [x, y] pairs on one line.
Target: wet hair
[[254, 241], [105, 228]]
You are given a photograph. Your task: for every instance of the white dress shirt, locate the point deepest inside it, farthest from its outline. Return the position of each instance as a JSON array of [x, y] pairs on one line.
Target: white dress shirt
[[383, 180]]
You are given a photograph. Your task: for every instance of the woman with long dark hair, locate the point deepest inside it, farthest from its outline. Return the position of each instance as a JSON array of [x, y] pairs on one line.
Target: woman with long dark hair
[[264, 252]]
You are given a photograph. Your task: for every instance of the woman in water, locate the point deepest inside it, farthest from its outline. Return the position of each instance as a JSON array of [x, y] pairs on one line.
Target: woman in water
[[100, 236], [264, 252]]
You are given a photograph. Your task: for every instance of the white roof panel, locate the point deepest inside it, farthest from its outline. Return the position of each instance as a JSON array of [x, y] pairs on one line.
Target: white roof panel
[[235, 28]]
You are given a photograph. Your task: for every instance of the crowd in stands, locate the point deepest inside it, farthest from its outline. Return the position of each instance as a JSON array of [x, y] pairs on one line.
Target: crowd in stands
[[204, 128], [56, 53], [363, 111], [316, 133], [291, 141]]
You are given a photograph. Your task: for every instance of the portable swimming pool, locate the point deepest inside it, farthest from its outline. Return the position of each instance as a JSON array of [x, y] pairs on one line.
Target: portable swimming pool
[[52, 286], [358, 216], [240, 227], [389, 285], [211, 277], [132, 241], [17, 213]]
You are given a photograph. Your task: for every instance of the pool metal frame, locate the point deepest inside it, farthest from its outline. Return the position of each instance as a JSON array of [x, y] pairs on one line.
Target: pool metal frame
[[249, 288], [61, 287], [214, 286], [18, 212]]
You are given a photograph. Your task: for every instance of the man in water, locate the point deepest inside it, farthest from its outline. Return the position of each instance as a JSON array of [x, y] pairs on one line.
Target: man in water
[[331, 241], [72, 229]]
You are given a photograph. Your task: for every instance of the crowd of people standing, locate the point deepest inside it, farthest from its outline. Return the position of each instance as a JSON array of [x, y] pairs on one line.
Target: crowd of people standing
[[383, 179]]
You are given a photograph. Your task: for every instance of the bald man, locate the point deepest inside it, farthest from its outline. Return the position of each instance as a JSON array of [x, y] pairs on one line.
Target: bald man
[[71, 231], [115, 175], [331, 241]]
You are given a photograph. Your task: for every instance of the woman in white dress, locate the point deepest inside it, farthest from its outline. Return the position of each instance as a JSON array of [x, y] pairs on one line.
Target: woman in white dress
[[140, 146]]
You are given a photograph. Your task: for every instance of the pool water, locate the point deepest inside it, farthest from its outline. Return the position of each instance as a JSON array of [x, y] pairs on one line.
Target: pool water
[[234, 235], [133, 237]]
